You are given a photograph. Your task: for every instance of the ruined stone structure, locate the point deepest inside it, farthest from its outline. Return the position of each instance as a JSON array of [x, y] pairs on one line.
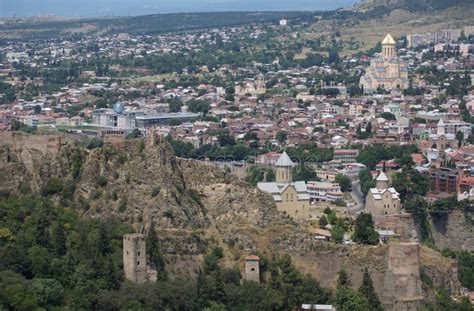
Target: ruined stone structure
[[402, 284], [134, 257], [252, 268]]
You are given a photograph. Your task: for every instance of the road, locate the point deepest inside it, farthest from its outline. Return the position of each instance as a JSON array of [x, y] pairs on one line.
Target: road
[[358, 196]]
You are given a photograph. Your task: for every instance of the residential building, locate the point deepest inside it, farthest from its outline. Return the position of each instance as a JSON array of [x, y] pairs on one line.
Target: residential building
[[346, 156], [444, 180], [324, 191]]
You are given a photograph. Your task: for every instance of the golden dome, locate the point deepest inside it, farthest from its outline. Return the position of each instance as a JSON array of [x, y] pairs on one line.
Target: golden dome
[[389, 40]]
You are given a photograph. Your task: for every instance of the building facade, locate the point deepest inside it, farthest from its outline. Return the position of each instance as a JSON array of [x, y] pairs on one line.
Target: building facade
[[252, 268], [290, 196], [324, 191], [134, 257], [346, 156], [387, 71], [383, 200]]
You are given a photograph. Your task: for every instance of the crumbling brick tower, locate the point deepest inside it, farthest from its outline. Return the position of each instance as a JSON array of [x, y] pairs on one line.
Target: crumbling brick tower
[[134, 257]]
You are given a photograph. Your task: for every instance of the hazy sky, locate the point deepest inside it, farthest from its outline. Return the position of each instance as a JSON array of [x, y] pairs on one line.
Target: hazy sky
[[140, 7]]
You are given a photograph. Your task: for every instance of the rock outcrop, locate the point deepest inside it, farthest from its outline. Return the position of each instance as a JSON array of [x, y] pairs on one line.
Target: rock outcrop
[[195, 205]]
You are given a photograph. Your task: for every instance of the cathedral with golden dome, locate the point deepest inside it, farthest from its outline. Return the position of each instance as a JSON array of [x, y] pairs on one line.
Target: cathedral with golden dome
[[387, 71]]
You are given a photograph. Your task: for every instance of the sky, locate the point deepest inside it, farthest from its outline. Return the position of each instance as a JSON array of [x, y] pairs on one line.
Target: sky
[[97, 8]]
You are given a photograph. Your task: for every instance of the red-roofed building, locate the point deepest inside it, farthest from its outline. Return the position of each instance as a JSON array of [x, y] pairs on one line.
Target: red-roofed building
[[465, 184]]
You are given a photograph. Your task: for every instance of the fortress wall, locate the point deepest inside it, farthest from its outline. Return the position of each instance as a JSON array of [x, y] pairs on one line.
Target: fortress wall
[[402, 284]]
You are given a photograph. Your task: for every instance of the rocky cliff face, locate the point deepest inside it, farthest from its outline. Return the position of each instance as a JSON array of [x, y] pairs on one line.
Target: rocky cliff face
[[454, 231], [193, 204]]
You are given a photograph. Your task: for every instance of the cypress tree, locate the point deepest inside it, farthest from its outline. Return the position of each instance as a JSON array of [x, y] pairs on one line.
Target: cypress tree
[[59, 240], [103, 243], [154, 253], [368, 291], [343, 280]]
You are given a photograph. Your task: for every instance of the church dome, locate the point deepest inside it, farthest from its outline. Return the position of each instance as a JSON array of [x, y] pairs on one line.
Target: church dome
[[118, 107], [388, 40]]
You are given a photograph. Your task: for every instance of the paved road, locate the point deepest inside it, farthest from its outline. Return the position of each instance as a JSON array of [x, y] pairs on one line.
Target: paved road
[[358, 197]]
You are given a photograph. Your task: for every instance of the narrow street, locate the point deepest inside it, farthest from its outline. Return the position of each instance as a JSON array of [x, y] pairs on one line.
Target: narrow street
[[358, 196]]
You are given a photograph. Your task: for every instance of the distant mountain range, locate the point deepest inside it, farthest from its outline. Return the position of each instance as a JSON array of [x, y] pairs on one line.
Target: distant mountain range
[[96, 8]]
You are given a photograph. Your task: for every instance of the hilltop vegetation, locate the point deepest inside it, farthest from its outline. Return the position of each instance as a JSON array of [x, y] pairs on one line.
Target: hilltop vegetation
[[412, 5], [147, 24]]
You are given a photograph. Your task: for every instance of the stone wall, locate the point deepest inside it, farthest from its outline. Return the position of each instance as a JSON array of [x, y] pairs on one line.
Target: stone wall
[[402, 284], [402, 224]]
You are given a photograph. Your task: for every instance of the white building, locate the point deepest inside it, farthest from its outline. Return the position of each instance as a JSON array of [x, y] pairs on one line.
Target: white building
[[324, 191]]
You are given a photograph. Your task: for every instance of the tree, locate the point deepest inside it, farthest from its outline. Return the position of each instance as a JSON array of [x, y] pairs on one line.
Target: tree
[[348, 299], [154, 253], [343, 279], [337, 233], [53, 186], [323, 221], [366, 180], [136, 133], [344, 182], [225, 139], [281, 137], [367, 290], [198, 105], [37, 109], [174, 104], [103, 240], [460, 138], [364, 230], [305, 173], [388, 116], [59, 240], [47, 292]]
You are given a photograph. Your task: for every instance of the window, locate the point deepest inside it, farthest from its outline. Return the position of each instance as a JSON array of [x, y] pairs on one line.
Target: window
[[252, 269], [138, 263], [138, 253]]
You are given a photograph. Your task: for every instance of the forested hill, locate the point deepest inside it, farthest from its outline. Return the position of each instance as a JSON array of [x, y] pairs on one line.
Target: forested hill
[[147, 24]]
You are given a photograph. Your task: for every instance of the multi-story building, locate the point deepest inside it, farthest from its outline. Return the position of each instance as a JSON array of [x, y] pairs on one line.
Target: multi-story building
[[111, 118], [346, 156], [324, 191], [454, 126], [324, 174], [444, 180], [465, 184], [419, 39], [352, 170]]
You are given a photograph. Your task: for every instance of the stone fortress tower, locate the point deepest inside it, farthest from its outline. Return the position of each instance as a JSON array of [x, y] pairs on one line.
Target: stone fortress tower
[[252, 268], [402, 282], [134, 257]]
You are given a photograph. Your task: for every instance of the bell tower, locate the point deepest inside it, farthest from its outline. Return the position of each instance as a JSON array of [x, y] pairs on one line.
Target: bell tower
[[283, 169], [389, 47]]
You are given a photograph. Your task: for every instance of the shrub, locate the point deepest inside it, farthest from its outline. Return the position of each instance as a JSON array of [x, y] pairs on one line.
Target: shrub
[[53, 186]]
